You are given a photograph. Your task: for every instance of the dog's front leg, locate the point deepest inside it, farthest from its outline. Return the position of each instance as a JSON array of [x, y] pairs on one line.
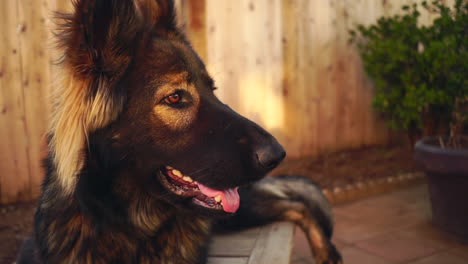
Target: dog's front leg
[[322, 248], [289, 198]]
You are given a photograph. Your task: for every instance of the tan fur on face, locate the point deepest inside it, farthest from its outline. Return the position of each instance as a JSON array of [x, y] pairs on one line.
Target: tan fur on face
[[74, 115], [177, 119]]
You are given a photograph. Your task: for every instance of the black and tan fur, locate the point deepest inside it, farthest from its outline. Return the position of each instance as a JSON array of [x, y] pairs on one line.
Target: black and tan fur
[[112, 130]]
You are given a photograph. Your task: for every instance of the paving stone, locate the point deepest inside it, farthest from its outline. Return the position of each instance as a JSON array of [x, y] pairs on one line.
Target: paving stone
[[392, 228], [414, 193], [430, 233], [352, 255], [384, 206], [399, 248], [340, 244], [442, 258], [460, 251], [354, 229]]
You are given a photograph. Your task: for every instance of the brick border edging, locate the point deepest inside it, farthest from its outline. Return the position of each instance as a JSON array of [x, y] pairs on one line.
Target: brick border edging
[[360, 190]]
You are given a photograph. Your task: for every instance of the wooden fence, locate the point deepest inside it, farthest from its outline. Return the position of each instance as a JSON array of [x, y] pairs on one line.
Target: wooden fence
[[284, 63]]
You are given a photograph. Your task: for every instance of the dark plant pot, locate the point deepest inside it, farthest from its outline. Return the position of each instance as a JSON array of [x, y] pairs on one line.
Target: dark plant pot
[[447, 174]]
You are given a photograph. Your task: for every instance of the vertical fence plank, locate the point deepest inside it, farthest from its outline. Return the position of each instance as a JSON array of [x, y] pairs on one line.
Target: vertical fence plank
[[301, 95], [347, 99], [245, 57], [261, 73], [224, 53], [14, 159], [35, 82], [323, 13], [290, 79], [307, 115], [195, 19]]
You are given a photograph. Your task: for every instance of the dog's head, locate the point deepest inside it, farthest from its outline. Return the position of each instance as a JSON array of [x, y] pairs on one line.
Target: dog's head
[[137, 91]]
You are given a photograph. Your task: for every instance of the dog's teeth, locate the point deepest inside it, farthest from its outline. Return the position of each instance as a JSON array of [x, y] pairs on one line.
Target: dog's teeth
[[177, 173], [218, 198], [187, 178]]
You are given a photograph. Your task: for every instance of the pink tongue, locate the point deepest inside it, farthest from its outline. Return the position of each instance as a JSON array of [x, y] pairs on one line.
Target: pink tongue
[[230, 197]]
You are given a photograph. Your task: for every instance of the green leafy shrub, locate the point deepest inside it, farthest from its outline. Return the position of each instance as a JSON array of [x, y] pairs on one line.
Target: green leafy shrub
[[419, 72]]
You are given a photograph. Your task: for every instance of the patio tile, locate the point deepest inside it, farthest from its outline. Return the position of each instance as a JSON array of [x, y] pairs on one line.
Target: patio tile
[[340, 244], [351, 230], [388, 205], [428, 232], [368, 207], [393, 228], [354, 229], [381, 214], [461, 251], [415, 198], [442, 258], [414, 193], [399, 247], [352, 255]]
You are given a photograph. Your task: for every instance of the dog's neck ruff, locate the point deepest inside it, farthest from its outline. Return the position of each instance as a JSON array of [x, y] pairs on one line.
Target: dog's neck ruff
[[75, 114]]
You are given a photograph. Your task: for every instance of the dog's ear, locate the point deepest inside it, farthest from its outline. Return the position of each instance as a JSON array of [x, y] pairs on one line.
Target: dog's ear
[[99, 41], [100, 37]]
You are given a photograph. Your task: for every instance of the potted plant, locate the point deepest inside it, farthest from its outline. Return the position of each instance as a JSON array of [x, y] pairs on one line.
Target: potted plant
[[421, 86]]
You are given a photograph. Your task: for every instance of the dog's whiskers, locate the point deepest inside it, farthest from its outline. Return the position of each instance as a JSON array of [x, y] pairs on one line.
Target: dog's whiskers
[[198, 171], [228, 125]]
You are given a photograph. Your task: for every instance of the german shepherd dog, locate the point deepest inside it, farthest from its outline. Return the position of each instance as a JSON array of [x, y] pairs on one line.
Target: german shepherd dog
[[144, 161]]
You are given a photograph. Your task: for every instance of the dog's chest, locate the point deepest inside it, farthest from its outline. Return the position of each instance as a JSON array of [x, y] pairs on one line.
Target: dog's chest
[[183, 242]]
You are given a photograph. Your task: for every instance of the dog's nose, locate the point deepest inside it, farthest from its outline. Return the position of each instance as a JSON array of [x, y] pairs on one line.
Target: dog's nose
[[269, 156]]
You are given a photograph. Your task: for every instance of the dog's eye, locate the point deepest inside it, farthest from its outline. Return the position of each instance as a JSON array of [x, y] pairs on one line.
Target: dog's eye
[[174, 98], [177, 99]]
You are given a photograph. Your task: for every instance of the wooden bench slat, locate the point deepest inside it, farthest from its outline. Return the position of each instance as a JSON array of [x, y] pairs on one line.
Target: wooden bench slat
[[237, 247], [234, 244], [274, 244], [216, 260]]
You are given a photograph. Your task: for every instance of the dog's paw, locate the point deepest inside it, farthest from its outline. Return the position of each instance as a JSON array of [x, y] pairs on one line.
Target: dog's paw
[[330, 256]]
